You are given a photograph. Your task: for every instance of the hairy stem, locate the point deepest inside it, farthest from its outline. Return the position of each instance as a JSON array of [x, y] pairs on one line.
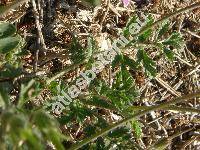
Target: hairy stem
[[173, 108], [67, 69], [191, 7], [136, 115]]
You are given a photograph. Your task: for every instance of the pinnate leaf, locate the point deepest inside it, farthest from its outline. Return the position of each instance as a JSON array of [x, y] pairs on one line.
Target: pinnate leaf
[[174, 40], [148, 63]]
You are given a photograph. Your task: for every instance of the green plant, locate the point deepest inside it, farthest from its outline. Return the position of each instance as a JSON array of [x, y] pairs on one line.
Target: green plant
[[104, 115], [103, 94], [21, 126]]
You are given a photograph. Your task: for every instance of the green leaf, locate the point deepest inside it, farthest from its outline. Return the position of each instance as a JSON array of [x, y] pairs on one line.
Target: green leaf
[[169, 53], [100, 102], [101, 122], [9, 71], [127, 79], [56, 138], [130, 62], [123, 89], [77, 53], [82, 113], [125, 60], [4, 98], [42, 120], [103, 87], [131, 21], [117, 60], [79, 114], [143, 37], [163, 30], [174, 40], [137, 128], [6, 30], [140, 56], [150, 20], [53, 87], [148, 63], [49, 127], [100, 143], [89, 130], [8, 44], [23, 92], [34, 142], [67, 118]]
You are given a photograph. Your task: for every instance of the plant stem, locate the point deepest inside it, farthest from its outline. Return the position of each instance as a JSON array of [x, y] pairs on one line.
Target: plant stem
[[136, 115], [183, 109], [135, 35], [163, 143], [174, 108], [67, 69], [191, 7]]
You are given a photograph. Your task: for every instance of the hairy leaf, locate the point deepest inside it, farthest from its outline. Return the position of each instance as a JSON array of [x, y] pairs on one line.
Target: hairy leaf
[[8, 44], [143, 37], [174, 40], [6, 30], [137, 128], [169, 53], [130, 62], [148, 63], [163, 30]]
